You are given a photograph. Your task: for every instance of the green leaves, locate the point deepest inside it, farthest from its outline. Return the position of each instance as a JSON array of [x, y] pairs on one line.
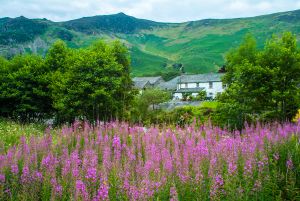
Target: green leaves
[[95, 83], [262, 83], [24, 89], [91, 83]]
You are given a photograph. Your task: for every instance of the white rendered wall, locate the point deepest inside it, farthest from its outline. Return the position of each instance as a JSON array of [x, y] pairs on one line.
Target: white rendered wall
[[217, 87], [178, 96]]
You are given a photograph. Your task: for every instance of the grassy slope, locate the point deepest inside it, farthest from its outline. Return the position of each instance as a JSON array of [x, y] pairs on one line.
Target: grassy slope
[[201, 46]]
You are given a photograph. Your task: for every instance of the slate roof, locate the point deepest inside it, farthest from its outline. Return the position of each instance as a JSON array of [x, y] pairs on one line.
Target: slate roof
[[190, 90], [141, 84], [169, 85], [152, 80], [209, 77]]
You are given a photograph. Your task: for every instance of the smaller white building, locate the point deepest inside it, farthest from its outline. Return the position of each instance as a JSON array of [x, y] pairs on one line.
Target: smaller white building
[[193, 84]]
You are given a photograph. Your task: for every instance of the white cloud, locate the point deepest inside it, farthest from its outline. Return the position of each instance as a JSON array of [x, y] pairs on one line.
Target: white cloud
[[159, 10]]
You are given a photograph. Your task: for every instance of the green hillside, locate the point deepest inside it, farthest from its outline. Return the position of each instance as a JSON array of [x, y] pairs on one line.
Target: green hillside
[[155, 47]]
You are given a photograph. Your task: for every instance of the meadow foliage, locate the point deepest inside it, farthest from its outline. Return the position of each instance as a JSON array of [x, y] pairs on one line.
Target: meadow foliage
[[117, 161]]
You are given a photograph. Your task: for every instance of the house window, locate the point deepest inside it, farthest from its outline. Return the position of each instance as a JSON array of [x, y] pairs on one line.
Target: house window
[[210, 94], [197, 85], [186, 85], [210, 85]]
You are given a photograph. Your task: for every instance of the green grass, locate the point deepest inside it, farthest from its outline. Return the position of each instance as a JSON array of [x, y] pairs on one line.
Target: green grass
[[11, 132], [146, 63], [209, 104]]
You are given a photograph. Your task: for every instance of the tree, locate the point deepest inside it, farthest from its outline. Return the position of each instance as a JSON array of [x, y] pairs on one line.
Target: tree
[[201, 95], [148, 99], [262, 84], [92, 83], [154, 96], [24, 89], [96, 84], [56, 58], [126, 92], [5, 103]]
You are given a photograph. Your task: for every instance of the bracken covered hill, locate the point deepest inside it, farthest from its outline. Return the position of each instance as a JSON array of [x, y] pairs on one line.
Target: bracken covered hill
[[200, 46]]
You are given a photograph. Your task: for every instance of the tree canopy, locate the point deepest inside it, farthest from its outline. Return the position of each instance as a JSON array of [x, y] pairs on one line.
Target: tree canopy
[[263, 85], [91, 83]]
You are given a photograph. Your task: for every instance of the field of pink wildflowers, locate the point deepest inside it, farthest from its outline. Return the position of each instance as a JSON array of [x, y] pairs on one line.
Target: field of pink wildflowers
[[116, 161]]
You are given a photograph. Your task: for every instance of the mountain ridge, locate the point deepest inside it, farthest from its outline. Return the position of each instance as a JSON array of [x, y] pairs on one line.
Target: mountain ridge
[[198, 45]]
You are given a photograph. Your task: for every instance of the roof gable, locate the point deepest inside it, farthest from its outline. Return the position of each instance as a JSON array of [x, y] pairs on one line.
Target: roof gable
[[141, 84], [152, 80], [209, 77], [169, 85]]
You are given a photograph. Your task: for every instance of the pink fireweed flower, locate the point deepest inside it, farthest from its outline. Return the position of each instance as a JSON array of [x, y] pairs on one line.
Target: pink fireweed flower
[[90, 159], [25, 177], [289, 164], [57, 188], [102, 193], [173, 194], [75, 162], [199, 176], [91, 174], [116, 143], [2, 178], [257, 185], [219, 180], [232, 168], [134, 193], [49, 163], [8, 192], [66, 168], [81, 190], [217, 186], [106, 157], [248, 168], [38, 176], [276, 156], [14, 169], [260, 165]]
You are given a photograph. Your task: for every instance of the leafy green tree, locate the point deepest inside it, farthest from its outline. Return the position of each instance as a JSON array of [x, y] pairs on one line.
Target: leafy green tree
[[148, 99], [5, 103], [282, 56], [201, 95], [126, 93], [91, 83], [96, 84], [155, 96], [24, 90], [56, 58], [262, 84]]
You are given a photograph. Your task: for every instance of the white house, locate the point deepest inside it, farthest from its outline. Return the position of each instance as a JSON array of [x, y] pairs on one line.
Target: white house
[[193, 84]]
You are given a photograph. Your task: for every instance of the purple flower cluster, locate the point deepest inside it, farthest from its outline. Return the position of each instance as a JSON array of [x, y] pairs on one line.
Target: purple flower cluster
[[173, 194], [289, 164], [81, 161]]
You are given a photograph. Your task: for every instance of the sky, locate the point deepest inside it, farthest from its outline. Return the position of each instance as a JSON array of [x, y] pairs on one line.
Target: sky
[[157, 10]]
